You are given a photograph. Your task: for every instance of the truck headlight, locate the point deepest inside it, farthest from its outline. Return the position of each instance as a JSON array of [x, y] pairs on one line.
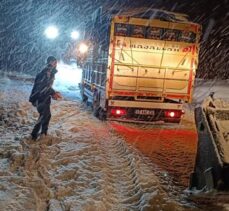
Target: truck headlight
[[83, 48]]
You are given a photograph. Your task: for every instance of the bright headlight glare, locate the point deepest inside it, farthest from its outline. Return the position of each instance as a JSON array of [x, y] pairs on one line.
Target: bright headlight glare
[[83, 48], [51, 32], [75, 35]]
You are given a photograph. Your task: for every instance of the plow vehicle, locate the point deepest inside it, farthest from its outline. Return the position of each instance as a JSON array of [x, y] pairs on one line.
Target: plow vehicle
[[140, 66], [212, 160]]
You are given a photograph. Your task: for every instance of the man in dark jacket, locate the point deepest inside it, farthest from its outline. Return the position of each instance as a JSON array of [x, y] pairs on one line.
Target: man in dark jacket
[[41, 95]]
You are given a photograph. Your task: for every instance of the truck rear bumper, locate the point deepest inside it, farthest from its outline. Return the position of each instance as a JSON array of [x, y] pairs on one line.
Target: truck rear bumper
[[142, 104], [136, 121], [142, 121], [140, 112]]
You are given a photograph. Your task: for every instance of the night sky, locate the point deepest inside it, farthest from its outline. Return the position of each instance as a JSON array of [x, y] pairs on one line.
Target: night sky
[[23, 46]]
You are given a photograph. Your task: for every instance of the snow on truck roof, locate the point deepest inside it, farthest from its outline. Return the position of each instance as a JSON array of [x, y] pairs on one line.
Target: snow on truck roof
[[143, 12], [156, 14]]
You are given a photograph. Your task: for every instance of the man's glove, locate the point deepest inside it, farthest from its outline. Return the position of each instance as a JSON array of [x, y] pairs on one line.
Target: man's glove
[[57, 96]]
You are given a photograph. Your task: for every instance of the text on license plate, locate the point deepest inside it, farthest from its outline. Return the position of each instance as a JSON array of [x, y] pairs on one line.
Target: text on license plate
[[144, 112]]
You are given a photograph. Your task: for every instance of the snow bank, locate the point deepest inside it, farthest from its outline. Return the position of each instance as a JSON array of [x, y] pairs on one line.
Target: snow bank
[[203, 88]]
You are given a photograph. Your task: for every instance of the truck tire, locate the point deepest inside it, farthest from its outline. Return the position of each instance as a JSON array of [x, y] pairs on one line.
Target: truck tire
[[96, 105], [102, 114], [84, 98], [95, 111]]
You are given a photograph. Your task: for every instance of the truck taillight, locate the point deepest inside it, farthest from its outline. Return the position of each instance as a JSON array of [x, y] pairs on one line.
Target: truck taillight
[[118, 112], [173, 114]]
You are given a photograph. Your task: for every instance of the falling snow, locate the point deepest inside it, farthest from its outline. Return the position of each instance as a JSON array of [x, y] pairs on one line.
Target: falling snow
[[24, 47], [86, 164]]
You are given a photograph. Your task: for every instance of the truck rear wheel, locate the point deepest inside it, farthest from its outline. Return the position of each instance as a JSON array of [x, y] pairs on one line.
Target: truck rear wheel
[[102, 114], [96, 105], [98, 111], [95, 111]]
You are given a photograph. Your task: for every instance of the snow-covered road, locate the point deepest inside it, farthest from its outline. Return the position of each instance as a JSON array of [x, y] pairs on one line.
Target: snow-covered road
[[86, 164], [82, 165]]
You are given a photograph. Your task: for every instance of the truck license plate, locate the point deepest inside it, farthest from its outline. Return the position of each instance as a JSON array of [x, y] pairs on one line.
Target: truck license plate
[[144, 112]]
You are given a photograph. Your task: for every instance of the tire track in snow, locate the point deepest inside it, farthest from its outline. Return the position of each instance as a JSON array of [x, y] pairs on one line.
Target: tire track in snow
[[135, 187], [123, 172], [84, 166], [121, 185]]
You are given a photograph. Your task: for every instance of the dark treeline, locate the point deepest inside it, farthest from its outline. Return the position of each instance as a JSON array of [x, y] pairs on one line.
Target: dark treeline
[[23, 46]]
